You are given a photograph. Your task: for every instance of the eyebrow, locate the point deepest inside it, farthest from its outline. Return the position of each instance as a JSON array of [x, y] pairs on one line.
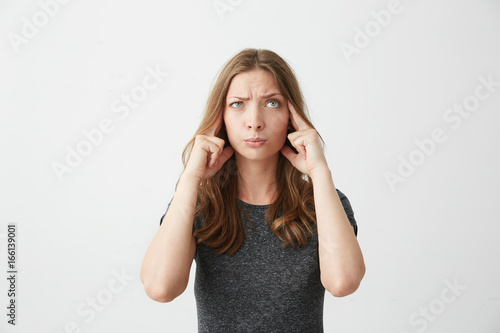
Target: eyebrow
[[265, 96]]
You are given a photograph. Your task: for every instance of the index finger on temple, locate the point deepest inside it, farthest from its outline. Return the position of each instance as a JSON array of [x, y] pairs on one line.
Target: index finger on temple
[[296, 119], [217, 125]]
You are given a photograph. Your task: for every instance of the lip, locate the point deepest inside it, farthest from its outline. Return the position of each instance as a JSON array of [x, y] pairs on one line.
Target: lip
[[254, 140], [254, 143]]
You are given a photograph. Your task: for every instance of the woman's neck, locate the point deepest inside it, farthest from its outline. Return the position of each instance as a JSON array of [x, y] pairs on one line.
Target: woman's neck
[[257, 182]]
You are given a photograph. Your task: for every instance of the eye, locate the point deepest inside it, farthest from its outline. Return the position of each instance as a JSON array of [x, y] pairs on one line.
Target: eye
[[277, 103], [233, 104]]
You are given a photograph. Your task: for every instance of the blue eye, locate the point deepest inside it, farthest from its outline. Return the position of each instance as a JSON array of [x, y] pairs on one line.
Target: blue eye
[[233, 103], [277, 102]]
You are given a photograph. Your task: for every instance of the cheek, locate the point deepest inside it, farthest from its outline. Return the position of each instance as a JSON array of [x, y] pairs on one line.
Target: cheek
[[280, 132], [231, 128], [228, 123], [280, 124]]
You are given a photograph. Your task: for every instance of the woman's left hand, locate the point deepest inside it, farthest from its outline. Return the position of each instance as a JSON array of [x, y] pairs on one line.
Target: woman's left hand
[[306, 141]]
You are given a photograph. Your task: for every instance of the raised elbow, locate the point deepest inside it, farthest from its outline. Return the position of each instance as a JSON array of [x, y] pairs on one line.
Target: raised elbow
[[161, 295], [165, 291], [343, 289], [343, 284]]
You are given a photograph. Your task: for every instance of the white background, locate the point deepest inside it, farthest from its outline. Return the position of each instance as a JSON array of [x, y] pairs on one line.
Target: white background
[[439, 224]]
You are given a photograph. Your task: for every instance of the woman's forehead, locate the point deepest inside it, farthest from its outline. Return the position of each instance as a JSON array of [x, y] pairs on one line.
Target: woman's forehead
[[259, 82]]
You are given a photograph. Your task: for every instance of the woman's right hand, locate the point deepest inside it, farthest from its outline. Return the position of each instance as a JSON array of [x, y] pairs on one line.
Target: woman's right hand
[[208, 154]]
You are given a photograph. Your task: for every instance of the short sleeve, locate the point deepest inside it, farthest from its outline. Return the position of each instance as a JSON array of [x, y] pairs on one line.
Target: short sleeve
[[348, 210], [161, 219], [197, 223]]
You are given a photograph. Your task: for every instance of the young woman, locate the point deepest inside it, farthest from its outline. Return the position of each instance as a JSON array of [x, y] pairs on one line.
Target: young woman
[[257, 208]]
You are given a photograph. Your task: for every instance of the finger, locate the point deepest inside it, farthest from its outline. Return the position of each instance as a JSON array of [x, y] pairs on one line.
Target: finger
[[213, 151], [288, 153], [302, 151], [291, 155], [216, 140], [294, 139], [217, 125], [297, 122], [297, 140], [226, 154], [302, 146], [219, 158]]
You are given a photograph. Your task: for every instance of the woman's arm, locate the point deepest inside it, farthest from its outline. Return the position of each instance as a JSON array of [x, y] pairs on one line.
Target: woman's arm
[[341, 262], [167, 263]]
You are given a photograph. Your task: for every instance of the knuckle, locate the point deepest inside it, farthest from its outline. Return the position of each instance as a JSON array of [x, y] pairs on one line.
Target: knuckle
[[220, 143]]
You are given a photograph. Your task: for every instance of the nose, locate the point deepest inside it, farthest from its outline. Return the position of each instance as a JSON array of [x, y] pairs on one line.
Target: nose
[[254, 117]]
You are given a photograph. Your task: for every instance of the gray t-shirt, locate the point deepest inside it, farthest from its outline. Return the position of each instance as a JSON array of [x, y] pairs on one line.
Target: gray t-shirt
[[261, 288]]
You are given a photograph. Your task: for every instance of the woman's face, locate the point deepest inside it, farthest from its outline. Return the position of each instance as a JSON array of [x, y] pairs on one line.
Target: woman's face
[[255, 108]]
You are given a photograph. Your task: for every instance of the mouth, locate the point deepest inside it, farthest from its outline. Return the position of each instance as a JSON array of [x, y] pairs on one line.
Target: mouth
[[255, 140], [254, 143]]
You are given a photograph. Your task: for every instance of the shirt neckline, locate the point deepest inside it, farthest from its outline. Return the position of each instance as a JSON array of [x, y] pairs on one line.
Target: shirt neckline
[[251, 205]]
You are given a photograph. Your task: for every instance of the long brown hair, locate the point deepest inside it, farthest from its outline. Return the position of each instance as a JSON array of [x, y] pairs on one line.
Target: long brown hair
[[291, 216]]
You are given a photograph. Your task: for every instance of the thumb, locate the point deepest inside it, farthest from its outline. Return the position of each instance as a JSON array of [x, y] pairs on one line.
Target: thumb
[[225, 155], [288, 153]]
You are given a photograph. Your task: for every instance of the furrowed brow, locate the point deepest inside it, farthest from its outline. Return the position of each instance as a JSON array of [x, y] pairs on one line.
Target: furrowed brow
[[265, 96]]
